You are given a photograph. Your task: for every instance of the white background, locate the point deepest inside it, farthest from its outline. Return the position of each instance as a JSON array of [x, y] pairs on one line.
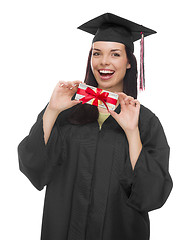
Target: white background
[[40, 45]]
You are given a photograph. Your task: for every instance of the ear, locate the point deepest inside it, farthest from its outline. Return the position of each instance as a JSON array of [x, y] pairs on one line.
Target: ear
[[128, 65]]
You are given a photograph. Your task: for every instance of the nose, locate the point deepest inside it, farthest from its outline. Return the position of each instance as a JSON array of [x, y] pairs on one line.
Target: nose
[[105, 60]]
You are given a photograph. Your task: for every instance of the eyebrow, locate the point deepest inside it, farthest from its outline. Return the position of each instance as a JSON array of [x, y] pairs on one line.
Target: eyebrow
[[113, 50]]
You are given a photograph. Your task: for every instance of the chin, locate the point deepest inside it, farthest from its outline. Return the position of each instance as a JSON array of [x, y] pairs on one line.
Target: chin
[[110, 86], [104, 85]]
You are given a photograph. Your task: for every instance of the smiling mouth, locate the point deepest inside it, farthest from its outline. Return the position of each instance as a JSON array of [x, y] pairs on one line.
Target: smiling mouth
[[106, 73]]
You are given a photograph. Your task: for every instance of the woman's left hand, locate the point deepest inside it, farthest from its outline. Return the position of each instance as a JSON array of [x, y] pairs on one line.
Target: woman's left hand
[[129, 116]]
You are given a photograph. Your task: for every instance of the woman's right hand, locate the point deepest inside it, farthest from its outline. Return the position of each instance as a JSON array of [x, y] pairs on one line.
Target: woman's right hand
[[61, 96]]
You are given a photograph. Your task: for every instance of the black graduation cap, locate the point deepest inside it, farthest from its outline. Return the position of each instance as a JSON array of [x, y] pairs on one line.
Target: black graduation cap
[[110, 27]]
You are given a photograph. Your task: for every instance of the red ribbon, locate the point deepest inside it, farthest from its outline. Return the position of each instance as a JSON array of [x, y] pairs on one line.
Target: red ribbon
[[96, 95]]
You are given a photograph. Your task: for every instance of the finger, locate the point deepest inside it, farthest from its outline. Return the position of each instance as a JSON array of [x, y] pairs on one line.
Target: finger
[[113, 114], [61, 83], [67, 87], [125, 97], [69, 84], [132, 103], [76, 83], [122, 95], [128, 100], [121, 99], [136, 103]]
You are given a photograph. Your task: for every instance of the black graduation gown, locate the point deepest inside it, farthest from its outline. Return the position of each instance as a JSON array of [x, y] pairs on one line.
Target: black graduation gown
[[92, 193]]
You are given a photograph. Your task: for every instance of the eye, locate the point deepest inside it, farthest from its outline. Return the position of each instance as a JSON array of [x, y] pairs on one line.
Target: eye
[[96, 54], [116, 54]]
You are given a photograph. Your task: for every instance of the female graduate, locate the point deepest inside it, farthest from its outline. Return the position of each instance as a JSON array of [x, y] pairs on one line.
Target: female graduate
[[103, 170]]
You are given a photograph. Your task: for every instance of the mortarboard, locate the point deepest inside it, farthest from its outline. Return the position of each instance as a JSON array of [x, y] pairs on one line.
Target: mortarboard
[[110, 27]]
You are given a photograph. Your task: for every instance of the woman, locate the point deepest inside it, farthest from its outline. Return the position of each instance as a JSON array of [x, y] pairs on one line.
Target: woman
[[101, 181]]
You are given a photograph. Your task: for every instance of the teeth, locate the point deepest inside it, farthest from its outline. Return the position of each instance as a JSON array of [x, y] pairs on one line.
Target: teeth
[[106, 71]]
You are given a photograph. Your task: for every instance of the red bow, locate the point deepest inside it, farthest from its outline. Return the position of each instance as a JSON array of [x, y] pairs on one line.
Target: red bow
[[96, 95]]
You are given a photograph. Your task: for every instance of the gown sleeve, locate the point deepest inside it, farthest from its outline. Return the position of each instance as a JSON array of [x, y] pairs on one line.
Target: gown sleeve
[[37, 160], [149, 184]]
